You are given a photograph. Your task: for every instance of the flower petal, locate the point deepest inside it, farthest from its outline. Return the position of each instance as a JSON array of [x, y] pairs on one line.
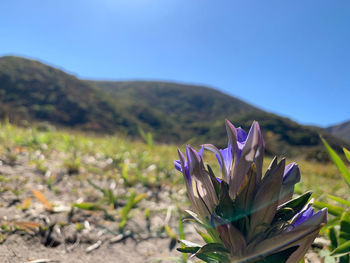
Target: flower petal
[[266, 201], [290, 178], [243, 163], [232, 136], [301, 236], [220, 158], [203, 183], [177, 164]]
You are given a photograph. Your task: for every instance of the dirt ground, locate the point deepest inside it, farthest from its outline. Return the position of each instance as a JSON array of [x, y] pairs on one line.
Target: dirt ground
[[37, 235], [58, 238]]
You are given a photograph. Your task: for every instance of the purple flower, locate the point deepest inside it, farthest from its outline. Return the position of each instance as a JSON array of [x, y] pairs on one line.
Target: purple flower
[[200, 189], [304, 217], [250, 215], [241, 139], [291, 176], [241, 152], [178, 166]]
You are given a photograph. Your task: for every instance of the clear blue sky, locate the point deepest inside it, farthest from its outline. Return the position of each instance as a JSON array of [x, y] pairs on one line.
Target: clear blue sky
[[288, 57]]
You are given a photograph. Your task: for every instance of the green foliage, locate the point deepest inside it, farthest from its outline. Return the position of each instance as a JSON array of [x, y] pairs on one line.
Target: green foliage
[[182, 232], [136, 155], [338, 162], [89, 206], [169, 112], [339, 233], [107, 193], [34, 91], [133, 200], [72, 165], [147, 137]]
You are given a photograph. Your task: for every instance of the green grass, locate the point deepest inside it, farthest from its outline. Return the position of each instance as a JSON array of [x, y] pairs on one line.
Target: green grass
[[132, 165], [136, 162]]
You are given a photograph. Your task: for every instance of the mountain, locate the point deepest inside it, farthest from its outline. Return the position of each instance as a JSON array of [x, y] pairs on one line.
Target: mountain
[[176, 112], [196, 114], [31, 90], [341, 130], [172, 112]]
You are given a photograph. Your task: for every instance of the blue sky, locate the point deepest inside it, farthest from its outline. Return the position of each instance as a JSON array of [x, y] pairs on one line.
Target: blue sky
[[287, 57]]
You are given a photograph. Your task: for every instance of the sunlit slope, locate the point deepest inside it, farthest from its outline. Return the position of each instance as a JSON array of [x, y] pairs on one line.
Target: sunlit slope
[[196, 114], [31, 90], [171, 112]]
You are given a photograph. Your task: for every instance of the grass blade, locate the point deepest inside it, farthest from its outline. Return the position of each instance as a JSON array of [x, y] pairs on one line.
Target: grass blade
[[332, 209], [339, 200], [338, 162], [347, 154], [88, 206]]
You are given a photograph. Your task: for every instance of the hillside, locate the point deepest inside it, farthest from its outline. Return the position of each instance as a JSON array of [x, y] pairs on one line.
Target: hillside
[[31, 90], [173, 113], [341, 130], [199, 110]]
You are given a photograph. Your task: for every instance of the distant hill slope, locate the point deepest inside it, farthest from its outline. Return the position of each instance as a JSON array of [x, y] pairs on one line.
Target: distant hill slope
[[34, 91], [179, 112], [341, 130], [173, 113], [196, 113]]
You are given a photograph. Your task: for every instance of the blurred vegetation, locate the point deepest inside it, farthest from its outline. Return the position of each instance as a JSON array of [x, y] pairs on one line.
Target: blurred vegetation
[[158, 112], [338, 227], [119, 177], [135, 162]]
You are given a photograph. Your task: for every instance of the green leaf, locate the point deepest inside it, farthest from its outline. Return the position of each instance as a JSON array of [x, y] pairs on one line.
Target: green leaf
[[347, 154], [195, 217], [213, 257], [182, 233], [338, 162], [332, 235], [185, 249], [342, 250], [332, 209], [344, 259], [333, 222], [339, 200], [225, 208], [207, 238], [189, 247], [290, 209], [189, 243], [133, 200], [181, 227], [96, 186], [279, 257], [212, 247], [344, 233], [89, 206]]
